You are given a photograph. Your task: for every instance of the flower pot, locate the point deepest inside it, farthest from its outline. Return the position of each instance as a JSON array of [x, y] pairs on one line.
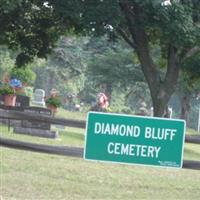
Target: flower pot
[[52, 108], [9, 100]]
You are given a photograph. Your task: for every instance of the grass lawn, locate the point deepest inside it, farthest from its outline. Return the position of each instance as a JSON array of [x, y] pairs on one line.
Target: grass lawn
[[28, 175]]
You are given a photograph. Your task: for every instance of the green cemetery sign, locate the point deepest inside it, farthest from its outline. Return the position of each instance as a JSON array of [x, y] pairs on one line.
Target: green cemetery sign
[[134, 139]]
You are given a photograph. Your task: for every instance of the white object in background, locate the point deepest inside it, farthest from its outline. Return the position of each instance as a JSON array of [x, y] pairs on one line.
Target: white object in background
[[170, 112], [166, 3], [38, 98]]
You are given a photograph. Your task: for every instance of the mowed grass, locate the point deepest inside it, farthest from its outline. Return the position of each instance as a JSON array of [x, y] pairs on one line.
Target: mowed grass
[[28, 175]]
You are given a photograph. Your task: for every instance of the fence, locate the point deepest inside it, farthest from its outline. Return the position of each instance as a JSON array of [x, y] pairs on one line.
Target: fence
[[64, 150]]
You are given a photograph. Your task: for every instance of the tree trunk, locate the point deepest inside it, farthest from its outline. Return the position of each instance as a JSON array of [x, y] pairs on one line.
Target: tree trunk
[[185, 107], [160, 89], [50, 83], [108, 90], [160, 99]]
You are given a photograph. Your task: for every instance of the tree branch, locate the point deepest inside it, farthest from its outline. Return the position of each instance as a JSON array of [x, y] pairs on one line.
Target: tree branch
[[191, 52], [141, 43], [126, 38]]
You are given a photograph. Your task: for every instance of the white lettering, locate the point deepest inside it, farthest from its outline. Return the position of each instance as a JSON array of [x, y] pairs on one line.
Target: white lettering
[[97, 128], [136, 131], [157, 149], [124, 149], [173, 133], [133, 150], [122, 130], [143, 151], [159, 133], [117, 148], [107, 129], [147, 132], [110, 145], [114, 129]]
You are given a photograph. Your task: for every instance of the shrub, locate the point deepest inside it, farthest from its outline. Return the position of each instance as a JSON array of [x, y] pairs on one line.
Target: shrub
[[25, 75]]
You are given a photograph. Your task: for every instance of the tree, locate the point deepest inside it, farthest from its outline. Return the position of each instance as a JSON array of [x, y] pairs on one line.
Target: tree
[[112, 65], [29, 27], [190, 83], [6, 61], [65, 65], [33, 26], [143, 24]]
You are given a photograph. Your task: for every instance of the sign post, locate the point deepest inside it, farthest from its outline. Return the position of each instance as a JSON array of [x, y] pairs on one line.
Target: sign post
[[134, 140]]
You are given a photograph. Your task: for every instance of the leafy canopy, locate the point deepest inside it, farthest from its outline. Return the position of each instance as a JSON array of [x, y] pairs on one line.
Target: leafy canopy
[[28, 26]]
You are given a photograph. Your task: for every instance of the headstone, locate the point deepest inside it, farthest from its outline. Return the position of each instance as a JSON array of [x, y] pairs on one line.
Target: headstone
[[35, 128], [22, 101], [38, 98], [34, 124]]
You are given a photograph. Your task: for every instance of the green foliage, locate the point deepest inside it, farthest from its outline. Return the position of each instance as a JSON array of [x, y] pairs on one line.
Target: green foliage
[[116, 68], [25, 75], [6, 89], [29, 27], [6, 60], [54, 101], [191, 66], [174, 24], [142, 24], [64, 69]]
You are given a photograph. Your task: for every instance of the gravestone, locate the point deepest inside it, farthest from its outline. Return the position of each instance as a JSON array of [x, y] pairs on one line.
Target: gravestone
[[38, 98], [36, 128], [34, 124], [21, 101]]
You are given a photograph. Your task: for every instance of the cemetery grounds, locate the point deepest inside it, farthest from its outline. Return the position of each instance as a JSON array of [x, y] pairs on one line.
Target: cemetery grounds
[[28, 175]]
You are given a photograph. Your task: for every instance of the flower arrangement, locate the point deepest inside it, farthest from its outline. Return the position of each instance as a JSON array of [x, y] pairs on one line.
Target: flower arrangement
[[54, 101], [9, 94], [6, 89], [9, 89]]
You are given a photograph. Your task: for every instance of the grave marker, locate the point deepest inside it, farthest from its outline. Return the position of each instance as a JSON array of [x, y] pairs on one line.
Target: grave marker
[[38, 98], [34, 128]]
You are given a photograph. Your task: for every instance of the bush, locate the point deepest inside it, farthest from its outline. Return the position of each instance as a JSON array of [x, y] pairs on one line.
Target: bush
[[25, 75]]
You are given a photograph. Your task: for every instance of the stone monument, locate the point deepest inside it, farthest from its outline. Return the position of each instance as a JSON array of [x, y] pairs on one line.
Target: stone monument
[[38, 98], [36, 128]]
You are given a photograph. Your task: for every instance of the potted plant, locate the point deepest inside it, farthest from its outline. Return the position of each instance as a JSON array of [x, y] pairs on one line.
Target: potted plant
[[9, 94], [53, 103]]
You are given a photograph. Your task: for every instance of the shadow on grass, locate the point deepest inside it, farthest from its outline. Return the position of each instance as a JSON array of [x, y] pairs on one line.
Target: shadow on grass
[[193, 152], [72, 135]]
